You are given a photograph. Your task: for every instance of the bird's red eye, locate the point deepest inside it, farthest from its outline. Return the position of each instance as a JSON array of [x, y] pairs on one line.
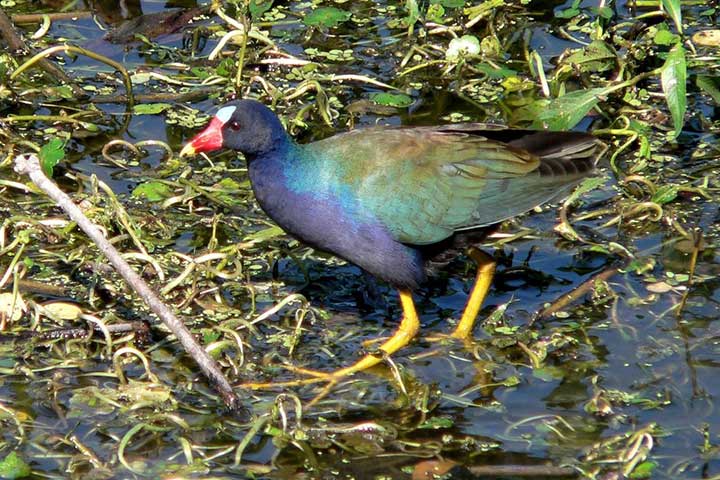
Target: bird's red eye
[[235, 125]]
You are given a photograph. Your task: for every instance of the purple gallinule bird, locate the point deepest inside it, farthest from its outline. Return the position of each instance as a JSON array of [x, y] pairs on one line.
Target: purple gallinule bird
[[379, 197]]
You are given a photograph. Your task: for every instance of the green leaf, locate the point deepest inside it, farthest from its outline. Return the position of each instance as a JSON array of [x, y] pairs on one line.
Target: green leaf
[[326, 17], [643, 470], [413, 14], [435, 13], [50, 155], [392, 99], [152, 191], [569, 12], [467, 45], [596, 57], [265, 234], [449, 3], [150, 108], [604, 12], [674, 78], [258, 7], [529, 113], [210, 335], [434, 423], [672, 7], [12, 467], [493, 71], [587, 185], [665, 37], [483, 8], [665, 194], [563, 113], [709, 85], [226, 68], [548, 373]]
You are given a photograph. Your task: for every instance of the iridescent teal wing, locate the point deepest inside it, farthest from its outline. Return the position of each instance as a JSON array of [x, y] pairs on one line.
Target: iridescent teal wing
[[423, 184]]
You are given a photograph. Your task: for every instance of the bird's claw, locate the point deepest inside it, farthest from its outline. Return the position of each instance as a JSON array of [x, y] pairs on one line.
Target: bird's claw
[[315, 377], [453, 337]]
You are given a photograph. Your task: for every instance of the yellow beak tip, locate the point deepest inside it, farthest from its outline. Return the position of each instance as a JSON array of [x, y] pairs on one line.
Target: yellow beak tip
[[187, 151]]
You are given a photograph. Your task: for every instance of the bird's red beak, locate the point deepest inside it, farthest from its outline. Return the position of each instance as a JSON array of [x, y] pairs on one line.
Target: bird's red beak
[[208, 140]]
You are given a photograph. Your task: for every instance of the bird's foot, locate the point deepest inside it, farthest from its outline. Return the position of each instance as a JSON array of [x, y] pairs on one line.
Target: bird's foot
[[452, 337], [317, 376], [409, 326], [366, 344]]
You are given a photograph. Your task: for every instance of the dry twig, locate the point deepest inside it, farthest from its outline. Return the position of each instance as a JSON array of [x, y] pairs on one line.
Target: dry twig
[[29, 165]]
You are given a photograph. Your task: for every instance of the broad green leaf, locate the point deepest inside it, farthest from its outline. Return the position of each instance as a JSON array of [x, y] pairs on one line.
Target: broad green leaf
[[265, 234], [63, 91], [12, 467], [228, 184], [466, 45], [226, 68], [449, 3], [50, 155], [150, 108], [503, 330], [210, 335], [596, 57], [529, 113], [200, 73], [643, 470], [563, 113], [569, 12], [548, 373], [493, 71], [665, 37], [392, 99], [433, 423], [604, 12], [709, 85], [483, 8], [672, 7], [665, 194], [326, 17], [674, 79], [587, 185], [258, 7], [435, 13], [227, 191], [152, 191], [413, 14]]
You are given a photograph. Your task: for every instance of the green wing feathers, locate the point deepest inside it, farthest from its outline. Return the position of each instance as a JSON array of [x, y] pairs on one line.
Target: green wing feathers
[[456, 177]]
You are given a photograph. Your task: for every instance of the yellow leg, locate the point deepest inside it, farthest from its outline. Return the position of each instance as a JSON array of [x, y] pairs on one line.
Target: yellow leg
[[406, 331], [483, 279]]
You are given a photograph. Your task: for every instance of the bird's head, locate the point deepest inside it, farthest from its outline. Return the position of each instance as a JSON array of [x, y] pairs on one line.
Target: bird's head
[[246, 126]]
